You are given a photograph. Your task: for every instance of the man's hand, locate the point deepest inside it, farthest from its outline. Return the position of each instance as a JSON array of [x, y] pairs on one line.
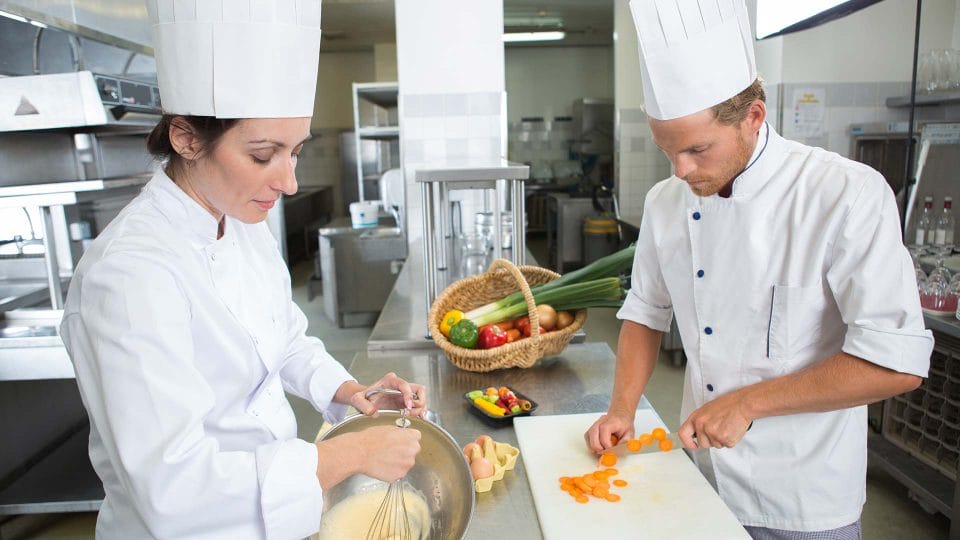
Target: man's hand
[[598, 437], [720, 423]]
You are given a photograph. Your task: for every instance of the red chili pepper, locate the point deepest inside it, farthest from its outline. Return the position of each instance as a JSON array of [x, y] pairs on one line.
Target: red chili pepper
[[491, 336]]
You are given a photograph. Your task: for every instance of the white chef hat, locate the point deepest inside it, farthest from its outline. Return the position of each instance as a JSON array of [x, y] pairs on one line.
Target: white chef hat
[[237, 59], [694, 54]]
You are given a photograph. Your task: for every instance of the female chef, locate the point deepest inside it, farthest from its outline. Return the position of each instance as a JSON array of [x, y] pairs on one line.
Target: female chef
[[179, 319]]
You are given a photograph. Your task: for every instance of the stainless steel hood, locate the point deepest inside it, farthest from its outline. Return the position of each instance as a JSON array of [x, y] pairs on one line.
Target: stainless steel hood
[[76, 100]]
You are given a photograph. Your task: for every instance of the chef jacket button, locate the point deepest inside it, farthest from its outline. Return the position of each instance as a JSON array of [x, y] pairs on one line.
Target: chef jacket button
[[699, 273], [708, 330], [213, 257], [710, 387], [696, 215], [256, 340]]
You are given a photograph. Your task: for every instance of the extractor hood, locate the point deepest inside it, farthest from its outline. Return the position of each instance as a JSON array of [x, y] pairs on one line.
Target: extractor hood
[[79, 99]]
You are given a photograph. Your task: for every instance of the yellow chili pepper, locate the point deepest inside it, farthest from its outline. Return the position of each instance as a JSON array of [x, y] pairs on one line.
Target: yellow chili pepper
[[490, 408], [449, 320]]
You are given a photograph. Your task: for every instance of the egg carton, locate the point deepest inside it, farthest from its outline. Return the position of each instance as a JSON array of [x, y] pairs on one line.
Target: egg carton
[[506, 459]]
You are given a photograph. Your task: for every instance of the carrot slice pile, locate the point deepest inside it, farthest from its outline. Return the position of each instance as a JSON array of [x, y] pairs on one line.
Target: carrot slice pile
[[595, 484]]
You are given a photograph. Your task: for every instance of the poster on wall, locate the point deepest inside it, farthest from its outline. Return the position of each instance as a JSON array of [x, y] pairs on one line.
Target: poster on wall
[[809, 106]]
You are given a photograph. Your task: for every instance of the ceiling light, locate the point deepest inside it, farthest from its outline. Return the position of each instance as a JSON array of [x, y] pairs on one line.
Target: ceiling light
[[532, 36], [13, 16]]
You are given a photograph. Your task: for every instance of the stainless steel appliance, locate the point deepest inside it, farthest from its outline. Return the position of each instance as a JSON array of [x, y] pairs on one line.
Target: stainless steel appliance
[[359, 267]]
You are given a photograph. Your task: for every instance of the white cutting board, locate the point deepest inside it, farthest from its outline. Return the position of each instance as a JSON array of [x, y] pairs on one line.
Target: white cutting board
[[666, 497]]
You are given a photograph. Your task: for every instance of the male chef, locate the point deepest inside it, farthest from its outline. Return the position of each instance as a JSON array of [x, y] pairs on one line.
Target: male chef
[[794, 295]]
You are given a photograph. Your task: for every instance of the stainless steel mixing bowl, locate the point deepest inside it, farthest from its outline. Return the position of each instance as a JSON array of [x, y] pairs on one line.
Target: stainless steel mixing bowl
[[441, 474]]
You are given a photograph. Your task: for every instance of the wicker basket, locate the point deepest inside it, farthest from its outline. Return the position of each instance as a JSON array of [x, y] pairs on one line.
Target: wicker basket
[[501, 279]]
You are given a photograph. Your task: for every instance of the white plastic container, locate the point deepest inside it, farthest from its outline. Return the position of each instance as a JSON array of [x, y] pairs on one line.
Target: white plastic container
[[364, 213]]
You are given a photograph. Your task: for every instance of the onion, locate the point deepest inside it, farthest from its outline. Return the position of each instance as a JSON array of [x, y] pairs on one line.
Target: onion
[[548, 317], [481, 468], [564, 319]]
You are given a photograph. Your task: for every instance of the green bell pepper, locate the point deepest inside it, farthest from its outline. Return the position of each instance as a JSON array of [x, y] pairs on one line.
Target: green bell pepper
[[464, 334]]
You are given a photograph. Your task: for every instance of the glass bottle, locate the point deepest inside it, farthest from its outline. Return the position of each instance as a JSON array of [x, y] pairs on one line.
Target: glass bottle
[[945, 225], [925, 230]]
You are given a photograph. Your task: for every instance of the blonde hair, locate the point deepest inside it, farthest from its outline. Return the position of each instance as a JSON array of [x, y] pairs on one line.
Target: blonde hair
[[734, 110]]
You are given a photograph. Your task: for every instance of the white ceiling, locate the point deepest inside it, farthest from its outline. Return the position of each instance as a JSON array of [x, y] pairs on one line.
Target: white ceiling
[[355, 25]]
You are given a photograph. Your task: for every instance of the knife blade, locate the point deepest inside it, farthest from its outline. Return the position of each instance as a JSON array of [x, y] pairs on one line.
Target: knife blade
[[621, 449]]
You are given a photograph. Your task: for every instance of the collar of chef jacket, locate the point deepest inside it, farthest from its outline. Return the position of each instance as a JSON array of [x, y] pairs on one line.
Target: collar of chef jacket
[[758, 169], [194, 218]]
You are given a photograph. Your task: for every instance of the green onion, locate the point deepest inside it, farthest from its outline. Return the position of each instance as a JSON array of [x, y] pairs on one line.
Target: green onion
[[598, 290], [606, 267]]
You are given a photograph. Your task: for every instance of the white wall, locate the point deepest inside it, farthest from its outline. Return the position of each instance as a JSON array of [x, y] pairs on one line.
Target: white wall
[[874, 44], [628, 85], [385, 62], [447, 49], [544, 81], [333, 107]]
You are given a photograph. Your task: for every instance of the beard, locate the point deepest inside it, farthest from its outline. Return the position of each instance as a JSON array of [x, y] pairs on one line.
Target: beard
[[705, 185]]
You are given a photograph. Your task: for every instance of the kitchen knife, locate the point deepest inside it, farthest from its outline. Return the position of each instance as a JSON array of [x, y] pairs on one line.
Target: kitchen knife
[[621, 449]]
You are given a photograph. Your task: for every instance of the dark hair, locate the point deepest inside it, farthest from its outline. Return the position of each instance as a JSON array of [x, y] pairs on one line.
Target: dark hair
[[208, 130], [734, 110]]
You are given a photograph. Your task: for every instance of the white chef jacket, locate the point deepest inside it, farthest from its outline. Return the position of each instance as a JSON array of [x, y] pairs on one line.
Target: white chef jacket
[[183, 345], [802, 261]]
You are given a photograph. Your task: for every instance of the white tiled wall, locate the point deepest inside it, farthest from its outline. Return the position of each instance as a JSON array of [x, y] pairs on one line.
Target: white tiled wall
[[440, 127], [640, 164], [846, 104], [319, 163]]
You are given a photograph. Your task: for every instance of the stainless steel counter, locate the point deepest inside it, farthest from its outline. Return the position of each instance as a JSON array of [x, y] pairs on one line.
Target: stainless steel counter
[[31, 349], [577, 381]]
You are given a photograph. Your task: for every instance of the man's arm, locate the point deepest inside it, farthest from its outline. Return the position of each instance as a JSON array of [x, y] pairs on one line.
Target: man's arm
[[637, 353], [839, 382]]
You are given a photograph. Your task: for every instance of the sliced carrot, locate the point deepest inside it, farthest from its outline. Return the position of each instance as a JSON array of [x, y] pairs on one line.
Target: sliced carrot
[[581, 485], [634, 445], [646, 439], [666, 445], [582, 499], [659, 434], [613, 440], [589, 480], [613, 497], [610, 472], [566, 480], [601, 492], [608, 459], [620, 483]]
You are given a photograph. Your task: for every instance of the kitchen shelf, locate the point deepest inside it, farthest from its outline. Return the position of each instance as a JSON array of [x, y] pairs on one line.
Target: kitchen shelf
[[379, 133], [381, 129], [924, 100]]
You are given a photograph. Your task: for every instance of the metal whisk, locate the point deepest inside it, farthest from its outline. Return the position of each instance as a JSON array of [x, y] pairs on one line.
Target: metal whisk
[[391, 520]]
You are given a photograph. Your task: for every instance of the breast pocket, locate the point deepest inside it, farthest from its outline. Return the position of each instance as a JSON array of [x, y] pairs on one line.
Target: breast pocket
[[796, 322]]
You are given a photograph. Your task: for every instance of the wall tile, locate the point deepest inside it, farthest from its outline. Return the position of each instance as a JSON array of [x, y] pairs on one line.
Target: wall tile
[[433, 127], [484, 103], [432, 104], [479, 126], [456, 148], [413, 105], [412, 128], [455, 104], [412, 150], [456, 127], [865, 95]]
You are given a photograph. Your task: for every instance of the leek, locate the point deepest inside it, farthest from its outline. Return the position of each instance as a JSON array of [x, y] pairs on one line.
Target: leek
[[572, 296], [610, 266]]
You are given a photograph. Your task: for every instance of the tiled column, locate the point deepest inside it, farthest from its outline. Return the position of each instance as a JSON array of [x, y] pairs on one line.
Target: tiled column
[[452, 99]]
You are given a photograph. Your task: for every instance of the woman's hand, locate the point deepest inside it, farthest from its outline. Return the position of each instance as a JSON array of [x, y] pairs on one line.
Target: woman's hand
[[382, 452], [413, 397], [388, 451]]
